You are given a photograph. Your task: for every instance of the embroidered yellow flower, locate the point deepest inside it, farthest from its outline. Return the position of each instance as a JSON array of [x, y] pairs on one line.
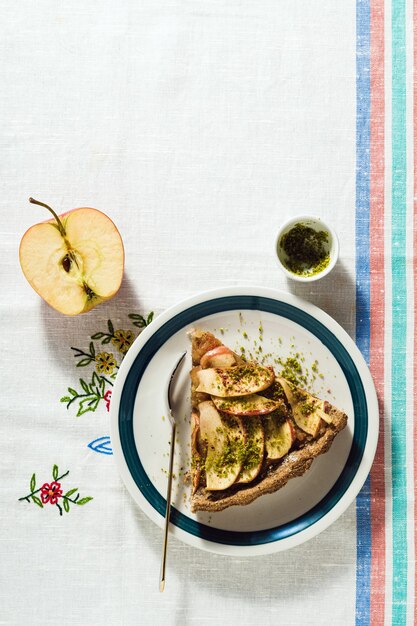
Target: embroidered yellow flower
[[123, 339], [105, 363]]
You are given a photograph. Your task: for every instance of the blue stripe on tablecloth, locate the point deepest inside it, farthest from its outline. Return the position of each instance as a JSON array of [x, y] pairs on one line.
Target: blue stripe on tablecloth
[[363, 103], [399, 316]]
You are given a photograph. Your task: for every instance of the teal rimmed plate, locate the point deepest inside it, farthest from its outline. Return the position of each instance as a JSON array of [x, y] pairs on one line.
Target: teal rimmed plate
[[270, 325]]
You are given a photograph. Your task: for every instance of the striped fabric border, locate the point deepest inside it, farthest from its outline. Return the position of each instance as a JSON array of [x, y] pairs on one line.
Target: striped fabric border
[[363, 129], [399, 315], [415, 283], [377, 308], [385, 524]]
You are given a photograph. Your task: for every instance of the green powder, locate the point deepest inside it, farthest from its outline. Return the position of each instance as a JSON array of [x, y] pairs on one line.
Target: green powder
[[306, 250]]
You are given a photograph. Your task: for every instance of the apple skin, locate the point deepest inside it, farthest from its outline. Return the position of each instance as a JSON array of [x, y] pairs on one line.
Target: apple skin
[[48, 293], [218, 357]]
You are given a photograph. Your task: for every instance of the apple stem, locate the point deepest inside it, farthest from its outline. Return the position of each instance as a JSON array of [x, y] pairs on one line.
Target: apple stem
[[58, 221]]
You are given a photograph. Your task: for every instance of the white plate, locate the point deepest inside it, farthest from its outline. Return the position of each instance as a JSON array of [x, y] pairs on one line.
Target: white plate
[[140, 432]]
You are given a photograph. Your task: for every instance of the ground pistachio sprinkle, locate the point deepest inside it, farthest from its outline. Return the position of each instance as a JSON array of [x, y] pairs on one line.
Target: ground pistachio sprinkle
[[306, 250]]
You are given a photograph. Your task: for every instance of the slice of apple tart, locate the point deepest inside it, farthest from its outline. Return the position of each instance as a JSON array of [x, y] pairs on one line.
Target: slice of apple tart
[[251, 431]]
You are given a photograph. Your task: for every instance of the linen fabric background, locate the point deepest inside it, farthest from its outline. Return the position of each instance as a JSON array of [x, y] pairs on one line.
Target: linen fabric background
[[198, 126]]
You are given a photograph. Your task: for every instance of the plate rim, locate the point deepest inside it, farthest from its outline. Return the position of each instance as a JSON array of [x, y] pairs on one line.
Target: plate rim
[[371, 438]]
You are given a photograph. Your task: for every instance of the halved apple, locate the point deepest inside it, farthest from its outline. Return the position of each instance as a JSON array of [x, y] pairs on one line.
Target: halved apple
[[254, 450], [218, 357], [279, 436], [74, 261], [246, 405], [225, 440], [241, 380]]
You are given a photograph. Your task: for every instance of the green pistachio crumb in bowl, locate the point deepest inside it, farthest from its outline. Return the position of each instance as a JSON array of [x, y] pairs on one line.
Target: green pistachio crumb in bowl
[[307, 249]]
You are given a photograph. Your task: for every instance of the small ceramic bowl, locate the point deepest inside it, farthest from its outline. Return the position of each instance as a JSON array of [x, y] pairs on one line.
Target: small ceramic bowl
[[332, 246]]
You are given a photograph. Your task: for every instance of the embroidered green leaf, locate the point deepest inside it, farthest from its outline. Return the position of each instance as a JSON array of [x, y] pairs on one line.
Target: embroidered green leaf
[[84, 500], [72, 391], [106, 340], [65, 399], [33, 482], [37, 501], [110, 326], [70, 492], [140, 321], [84, 362], [84, 386], [89, 403], [95, 380], [55, 472], [97, 336], [66, 505], [99, 383], [92, 349]]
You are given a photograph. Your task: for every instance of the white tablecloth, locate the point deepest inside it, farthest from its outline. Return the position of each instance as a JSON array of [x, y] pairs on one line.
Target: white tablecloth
[[198, 126]]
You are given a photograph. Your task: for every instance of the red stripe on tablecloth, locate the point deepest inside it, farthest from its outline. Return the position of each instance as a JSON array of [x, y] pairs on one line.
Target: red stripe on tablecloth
[[376, 225]]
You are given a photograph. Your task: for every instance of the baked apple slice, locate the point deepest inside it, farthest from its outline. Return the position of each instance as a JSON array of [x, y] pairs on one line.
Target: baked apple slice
[[254, 450], [308, 411], [242, 380], [196, 465], [246, 406], [218, 357], [279, 436], [225, 440]]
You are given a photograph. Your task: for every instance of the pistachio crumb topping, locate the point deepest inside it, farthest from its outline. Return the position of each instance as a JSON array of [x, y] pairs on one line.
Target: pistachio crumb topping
[[306, 250]]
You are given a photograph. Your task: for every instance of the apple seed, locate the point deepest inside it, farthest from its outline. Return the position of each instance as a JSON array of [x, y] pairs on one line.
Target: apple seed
[[66, 263]]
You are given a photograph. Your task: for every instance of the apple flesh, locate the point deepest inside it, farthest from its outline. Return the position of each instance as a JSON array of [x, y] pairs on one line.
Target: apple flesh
[[307, 410], [224, 437], [322, 409], [310, 422], [279, 437], [228, 382], [196, 465], [74, 261], [254, 446], [246, 406]]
